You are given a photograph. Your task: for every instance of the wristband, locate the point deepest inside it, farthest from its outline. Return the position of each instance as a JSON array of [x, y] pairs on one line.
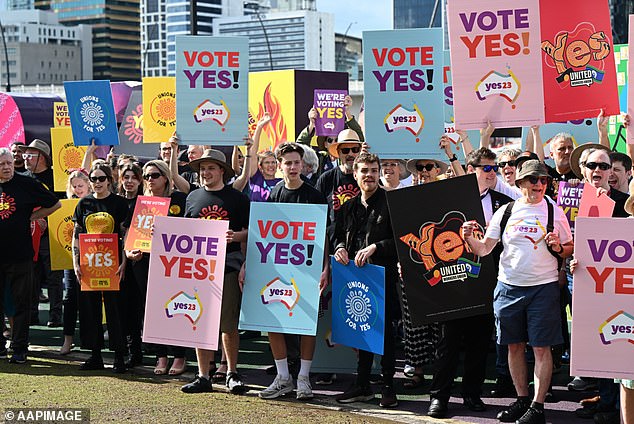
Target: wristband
[[453, 158]]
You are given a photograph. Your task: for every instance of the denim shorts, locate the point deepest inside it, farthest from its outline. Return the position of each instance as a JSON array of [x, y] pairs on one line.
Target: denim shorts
[[528, 314]]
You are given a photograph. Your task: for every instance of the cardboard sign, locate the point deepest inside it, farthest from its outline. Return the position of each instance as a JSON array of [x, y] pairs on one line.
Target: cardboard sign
[[60, 230], [285, 251], [331, 113], [91, 111], [212, 89], [602, 341], [442, 276], [577, 60], [358, 306], [495, 62], [591, 205], [10, 121], [568, 198], [140, 232], [65, 155], [159, 109], [185, 282], [630, 90], [99, 261], [403, 92], [61, 118]]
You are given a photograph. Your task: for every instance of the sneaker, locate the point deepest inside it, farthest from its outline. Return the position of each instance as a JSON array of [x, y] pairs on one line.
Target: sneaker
[[18, 358], [199, 385], [235, 384], [280, 387], [409, 371], [388, 397], [304, 390], [325, 379], [515, 411], [579, 384], [355, 394], [532, 416], [376, 379], [93, 363]]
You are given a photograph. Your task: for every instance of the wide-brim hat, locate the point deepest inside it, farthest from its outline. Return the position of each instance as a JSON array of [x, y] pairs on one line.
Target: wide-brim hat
[[530, 168], [212, 155], [40, 146], [411, 165], [346, 136], [629, 203], [576, 154]]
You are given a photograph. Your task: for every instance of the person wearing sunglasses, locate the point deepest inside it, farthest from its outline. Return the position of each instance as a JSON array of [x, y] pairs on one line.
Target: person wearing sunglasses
[[507, 165], [101, 212], [19, 196], [158, 183], [475, 330], [526, 298], [592, 164], [426, 170], [393, 172]]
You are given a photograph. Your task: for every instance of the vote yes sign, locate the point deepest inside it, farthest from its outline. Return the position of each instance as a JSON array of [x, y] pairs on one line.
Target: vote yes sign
[[211, 89], [284, 262], [140, 232], [99, 261], [185, 282]]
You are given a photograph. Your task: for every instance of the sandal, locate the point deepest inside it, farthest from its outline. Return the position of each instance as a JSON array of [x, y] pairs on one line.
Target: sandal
[[220, 376], [161, 366], [417, 380], [176, 370]]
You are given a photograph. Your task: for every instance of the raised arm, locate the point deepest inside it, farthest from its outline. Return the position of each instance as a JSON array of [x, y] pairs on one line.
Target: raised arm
[[241, 181], [179, 182], [602, 127], [464, 140], [89, 156], [445, 144], [534, 142]]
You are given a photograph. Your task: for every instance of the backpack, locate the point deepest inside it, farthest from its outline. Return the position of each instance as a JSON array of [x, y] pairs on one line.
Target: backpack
[[549, 227]]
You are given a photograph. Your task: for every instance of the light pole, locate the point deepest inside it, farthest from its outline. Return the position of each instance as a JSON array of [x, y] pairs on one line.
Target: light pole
[[6, 58], [255, 7]]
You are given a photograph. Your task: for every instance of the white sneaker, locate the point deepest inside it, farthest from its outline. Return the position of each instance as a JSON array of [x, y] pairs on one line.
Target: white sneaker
[[304, 390], [278, 388], [409, 371]]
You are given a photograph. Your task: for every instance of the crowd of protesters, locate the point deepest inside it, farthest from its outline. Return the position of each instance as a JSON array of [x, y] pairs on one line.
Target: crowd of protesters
[[534, 278]]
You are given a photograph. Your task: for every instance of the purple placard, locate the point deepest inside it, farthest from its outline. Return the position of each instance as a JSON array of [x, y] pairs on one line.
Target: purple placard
[[568, 198], [330, 112]]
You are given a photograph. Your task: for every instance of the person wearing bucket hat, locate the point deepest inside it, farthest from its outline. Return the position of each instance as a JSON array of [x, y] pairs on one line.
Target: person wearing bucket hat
[[338, 184], [526, 299], [217, 200], [393, 172]]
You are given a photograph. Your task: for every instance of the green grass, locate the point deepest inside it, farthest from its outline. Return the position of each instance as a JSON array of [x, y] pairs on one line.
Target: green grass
[[140, 398]]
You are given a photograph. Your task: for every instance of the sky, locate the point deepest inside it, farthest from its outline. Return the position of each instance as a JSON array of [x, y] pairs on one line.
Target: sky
[[364, 14]]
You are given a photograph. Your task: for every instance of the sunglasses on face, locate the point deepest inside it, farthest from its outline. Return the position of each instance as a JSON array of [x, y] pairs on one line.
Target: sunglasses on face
[[533, 179], [153, 175], [594, 165], [488, 168], [100, 178], [428, 167], [27, 156], [504, 163], [346, 150]]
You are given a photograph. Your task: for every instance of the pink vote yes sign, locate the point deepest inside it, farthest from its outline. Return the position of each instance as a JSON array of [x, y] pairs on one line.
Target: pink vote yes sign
[[185, 281]]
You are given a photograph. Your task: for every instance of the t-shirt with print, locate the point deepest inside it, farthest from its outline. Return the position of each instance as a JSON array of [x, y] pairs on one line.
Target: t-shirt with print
[[338, 188], [228, 204], [102, 216], [304, 194], [260, 187], [18, 197], [525, 260]]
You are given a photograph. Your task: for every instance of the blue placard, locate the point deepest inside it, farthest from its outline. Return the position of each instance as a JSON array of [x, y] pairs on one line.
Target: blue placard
[[403, 92], [285, 251], [91, 111], [583, 131], [358, 306], [212, 76]]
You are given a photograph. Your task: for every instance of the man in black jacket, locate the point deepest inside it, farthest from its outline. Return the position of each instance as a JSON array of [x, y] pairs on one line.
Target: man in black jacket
[[363, 232]]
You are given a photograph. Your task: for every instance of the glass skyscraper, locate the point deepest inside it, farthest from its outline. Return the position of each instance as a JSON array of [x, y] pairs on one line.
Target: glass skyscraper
[[417, 13]]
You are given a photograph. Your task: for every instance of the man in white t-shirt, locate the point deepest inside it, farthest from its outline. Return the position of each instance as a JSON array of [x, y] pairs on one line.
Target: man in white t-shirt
[[526, 299]]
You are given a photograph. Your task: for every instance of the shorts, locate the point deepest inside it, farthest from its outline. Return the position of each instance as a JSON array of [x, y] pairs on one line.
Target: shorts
[[528, 314], [231, 301]]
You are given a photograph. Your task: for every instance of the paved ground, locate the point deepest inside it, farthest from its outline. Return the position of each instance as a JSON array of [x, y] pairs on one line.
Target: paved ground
[[255, 357]]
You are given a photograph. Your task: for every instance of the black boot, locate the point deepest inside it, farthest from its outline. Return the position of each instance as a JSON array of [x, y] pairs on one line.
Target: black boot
[[119, 363]]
